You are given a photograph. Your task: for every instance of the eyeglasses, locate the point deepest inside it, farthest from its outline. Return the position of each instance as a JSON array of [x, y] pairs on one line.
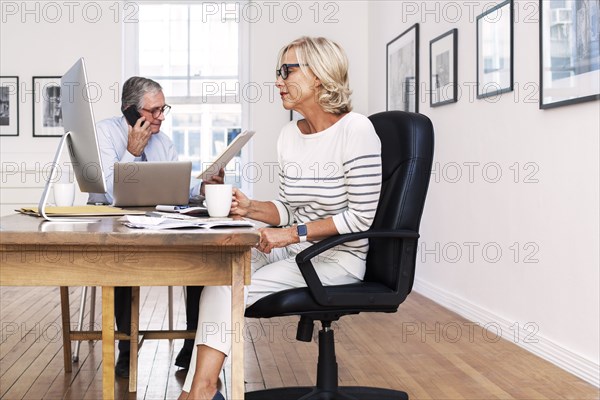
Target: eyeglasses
[[284, 71], [156, 112]]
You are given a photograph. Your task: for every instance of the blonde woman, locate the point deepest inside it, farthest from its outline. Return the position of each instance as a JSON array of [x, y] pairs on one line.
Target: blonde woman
[[330, 178]]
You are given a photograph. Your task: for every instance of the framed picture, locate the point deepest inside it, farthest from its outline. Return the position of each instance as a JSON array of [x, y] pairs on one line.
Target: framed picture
[[495, 50], [443, 69], [9, 106], [402, 80], [47, 113], [295, 115], [569, 52]]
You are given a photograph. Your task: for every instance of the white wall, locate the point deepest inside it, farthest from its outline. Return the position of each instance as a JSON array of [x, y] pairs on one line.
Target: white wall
[[45, 39], [549, 209], [342, 21]]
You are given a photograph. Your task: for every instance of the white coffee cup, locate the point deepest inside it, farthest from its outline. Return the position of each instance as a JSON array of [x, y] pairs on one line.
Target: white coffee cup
[[64, 194], [218, 199]]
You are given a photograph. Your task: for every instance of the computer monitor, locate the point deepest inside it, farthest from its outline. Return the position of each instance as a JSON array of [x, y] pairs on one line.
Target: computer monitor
[[80, 135]]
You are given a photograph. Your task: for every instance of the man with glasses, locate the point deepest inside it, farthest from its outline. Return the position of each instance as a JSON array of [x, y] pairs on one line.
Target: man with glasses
[[141, 139]]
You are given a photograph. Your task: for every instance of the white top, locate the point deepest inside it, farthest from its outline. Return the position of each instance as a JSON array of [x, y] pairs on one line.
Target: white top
[[333, 173], [112, 140]]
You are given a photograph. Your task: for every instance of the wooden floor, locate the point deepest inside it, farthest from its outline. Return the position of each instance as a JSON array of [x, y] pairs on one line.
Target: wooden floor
[[425, 350]]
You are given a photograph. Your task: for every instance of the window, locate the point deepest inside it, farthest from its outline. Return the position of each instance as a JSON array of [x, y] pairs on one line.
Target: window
[[195, 56]]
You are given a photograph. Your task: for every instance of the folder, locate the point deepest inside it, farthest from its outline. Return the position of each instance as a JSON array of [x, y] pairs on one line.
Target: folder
[[81, 211], [227, 155]]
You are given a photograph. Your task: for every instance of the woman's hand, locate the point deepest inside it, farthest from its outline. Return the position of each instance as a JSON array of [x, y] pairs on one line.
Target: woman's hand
[[240, 203], [263, 211], [271, 238]]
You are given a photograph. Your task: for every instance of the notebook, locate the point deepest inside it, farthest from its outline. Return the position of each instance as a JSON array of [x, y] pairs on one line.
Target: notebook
[[142, 184]]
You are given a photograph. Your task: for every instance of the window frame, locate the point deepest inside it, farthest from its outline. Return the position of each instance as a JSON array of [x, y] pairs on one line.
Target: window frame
[[131, 67]]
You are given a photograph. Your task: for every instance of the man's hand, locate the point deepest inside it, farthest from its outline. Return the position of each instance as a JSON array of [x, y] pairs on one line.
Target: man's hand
[[213, 180], [216, 179], [138, 136]]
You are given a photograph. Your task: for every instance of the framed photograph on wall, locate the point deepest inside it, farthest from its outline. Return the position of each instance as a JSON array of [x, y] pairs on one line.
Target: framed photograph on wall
[[569, 52], [495, 50], [402, 66], [295, 115], [443, 69], [47, 112], [9, 106]]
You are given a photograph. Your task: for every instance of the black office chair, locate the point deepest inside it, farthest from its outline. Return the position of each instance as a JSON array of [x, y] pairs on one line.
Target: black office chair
[[407, 155]]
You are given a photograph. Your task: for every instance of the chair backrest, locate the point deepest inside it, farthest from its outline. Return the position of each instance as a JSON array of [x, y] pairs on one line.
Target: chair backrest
[[407, 154]]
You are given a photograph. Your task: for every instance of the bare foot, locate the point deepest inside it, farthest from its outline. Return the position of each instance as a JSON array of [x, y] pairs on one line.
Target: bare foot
[[183, 396]]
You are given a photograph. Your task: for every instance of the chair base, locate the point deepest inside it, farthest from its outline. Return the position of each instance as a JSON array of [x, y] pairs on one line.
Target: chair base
[[342, 393]]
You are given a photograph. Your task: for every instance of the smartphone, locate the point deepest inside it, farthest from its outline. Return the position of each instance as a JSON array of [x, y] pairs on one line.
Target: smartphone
[[131, 115]]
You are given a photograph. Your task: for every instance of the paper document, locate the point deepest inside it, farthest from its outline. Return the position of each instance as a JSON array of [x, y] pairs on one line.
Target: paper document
[[227, 155], [80, 211], [159, 223]]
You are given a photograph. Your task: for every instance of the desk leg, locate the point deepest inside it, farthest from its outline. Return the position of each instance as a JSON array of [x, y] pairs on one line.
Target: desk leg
[[237, 320], [65, 311], [133, 338], [108, 342]]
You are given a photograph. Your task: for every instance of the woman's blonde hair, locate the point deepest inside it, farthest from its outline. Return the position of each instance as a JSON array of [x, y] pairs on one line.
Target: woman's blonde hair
[[328, 61]]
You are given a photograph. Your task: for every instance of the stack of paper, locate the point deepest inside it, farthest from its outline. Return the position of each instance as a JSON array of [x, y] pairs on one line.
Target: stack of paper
[[159, 223], [187, 210]]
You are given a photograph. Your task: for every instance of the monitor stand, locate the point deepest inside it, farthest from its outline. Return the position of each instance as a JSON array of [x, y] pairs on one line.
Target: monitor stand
[[49, 182]]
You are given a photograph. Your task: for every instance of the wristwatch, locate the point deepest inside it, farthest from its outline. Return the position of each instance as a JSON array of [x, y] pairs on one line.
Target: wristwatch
[[302, 232]]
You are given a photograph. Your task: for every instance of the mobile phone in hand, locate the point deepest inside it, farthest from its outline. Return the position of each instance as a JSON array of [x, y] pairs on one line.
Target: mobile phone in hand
[[131, 115]]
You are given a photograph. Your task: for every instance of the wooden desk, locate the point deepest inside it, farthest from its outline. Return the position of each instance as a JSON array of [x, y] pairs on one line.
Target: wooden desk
[[108, 254]]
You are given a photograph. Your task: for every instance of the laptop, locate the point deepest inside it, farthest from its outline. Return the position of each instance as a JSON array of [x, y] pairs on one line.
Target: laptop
[[143, 184]]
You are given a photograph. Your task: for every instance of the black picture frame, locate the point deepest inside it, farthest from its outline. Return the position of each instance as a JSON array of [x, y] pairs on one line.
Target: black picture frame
[[495, 50], [9, 106], [47, 112], [402, 71], [295, 116], [568, 65], [443, 69]]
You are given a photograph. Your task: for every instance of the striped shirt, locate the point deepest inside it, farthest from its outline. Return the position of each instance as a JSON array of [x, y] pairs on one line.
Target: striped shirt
[[333, 173]]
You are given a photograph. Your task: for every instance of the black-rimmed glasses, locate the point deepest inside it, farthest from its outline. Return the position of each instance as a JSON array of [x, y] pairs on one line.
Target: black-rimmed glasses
[[284, 70], [156, 112]]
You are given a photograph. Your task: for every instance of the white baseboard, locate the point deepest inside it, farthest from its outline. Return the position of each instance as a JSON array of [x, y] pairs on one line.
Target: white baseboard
[[538, 345]]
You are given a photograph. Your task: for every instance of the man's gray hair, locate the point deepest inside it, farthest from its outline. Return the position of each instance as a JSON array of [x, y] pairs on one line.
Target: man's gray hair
[[134, 90]]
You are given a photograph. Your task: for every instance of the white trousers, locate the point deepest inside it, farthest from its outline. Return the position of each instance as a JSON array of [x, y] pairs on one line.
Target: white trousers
[[271, 273]]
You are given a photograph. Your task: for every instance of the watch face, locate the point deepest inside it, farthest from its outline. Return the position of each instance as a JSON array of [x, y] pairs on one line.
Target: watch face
[[302, 231]]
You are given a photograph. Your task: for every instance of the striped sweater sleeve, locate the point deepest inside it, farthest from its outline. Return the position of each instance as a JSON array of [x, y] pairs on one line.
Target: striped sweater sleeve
[[283, 207], [362, 177]]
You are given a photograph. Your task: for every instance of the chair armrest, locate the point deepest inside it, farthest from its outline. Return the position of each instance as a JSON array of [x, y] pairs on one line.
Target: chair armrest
[[333, 241], [303, 259]]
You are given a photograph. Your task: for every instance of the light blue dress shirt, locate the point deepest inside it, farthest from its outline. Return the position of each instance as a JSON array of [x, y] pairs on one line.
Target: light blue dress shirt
[[112, 140]]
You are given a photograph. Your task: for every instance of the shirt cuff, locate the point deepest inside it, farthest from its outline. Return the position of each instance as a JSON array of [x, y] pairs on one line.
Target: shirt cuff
[[127, 157], [284, 216], [340, 223]]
